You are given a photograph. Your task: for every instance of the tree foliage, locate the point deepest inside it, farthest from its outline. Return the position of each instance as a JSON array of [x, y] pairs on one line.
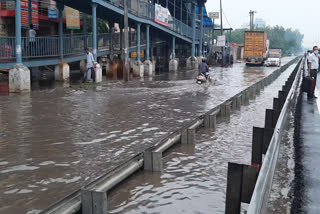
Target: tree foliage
[[289, 40]]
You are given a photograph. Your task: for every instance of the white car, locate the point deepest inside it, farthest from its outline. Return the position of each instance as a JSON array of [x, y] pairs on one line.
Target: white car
[[273, 62]]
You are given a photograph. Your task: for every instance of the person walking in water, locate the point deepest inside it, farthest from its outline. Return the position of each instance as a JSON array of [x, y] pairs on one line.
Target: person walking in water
[[90, 66]]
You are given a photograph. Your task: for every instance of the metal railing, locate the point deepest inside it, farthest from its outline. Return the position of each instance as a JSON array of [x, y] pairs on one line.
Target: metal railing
[[259, 200], [146, 10], [48, 46]]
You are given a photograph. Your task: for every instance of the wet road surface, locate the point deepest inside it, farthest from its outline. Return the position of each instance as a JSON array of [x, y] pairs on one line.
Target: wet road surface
[[194, 176], [53, 141], [310, 132]]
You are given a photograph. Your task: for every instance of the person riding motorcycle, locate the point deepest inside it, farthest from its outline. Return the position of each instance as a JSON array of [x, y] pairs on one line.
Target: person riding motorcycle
[[203, 67]]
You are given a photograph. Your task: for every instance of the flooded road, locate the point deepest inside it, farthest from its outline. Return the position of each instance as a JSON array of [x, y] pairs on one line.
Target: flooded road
[[194, 176], [54, 141]]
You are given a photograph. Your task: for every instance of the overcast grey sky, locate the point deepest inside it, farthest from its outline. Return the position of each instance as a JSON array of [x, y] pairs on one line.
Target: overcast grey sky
[[302, 15]]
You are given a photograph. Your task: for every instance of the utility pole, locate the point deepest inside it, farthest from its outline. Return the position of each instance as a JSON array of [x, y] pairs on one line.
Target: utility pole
[[126, 42], [221, 33]]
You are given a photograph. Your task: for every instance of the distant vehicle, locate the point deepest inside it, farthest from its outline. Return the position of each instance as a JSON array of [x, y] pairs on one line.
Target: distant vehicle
[[256, 47], [274, 58]]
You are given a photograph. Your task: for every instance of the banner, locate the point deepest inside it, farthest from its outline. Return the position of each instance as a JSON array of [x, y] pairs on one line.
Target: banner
[[24, 13], [73, 18], [161, 15], [221, 41], [35, 14]]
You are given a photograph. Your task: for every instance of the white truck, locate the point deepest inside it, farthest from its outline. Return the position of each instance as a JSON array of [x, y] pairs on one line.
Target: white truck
[[274, 58]]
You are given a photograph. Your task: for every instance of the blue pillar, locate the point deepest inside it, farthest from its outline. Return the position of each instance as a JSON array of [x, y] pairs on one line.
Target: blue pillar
[[193, 29], [138, 41], [60, 8], [18, 32], [201, 30], [94, 30], [173, 47], [148, 43]]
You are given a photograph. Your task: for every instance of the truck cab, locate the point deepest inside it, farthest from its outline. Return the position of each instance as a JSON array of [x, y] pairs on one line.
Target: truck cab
[[274, 58]]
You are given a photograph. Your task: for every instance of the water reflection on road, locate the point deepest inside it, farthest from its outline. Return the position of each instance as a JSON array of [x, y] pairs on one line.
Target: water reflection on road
[[55, 140]]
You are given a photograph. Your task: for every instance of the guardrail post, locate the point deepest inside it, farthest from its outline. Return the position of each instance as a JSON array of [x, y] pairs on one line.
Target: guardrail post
[[157, 161], [282, 98], [241, 181], [94, 30], [94, 202], [239, 102], [234, 185], [257, 146], [276, 104], [267, 136], [234, 103], [228, 109], [269, 118]]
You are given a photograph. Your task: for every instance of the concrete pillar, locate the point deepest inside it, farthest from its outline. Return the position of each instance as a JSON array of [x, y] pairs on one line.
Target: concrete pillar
[[94, 30], [19, 79], [60, 8], [148, 65], [18, 33], [98, 73], [83, 66], [138, 66], [173, 64], [192, 62], [94, 202], [62, 72]]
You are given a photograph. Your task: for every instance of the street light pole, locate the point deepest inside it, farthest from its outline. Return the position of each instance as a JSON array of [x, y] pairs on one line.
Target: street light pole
[[221, 33], [126, 42]]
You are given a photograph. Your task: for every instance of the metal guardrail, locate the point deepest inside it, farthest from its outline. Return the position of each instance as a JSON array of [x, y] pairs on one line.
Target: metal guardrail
[[259, 200], [48, 46]]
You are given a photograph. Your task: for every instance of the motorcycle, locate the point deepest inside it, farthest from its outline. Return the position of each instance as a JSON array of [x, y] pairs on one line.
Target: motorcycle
[[202, 78]]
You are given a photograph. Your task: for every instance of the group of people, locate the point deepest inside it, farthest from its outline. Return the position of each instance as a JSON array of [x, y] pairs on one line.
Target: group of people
[[313, 62], [219, 59]]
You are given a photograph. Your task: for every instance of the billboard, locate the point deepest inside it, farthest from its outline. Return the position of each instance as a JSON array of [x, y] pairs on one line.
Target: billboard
[[214, 15], [221, 41], [73, 18], [24, 13], [161, 15], [34, 14]]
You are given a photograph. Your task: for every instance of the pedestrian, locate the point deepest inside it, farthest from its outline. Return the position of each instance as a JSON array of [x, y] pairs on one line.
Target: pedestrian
[[90, 66], [313, 66], [32, 40]]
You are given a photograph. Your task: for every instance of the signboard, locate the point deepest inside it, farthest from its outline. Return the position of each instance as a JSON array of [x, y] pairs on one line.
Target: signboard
[[161, 15], [24, 13], [73, 18], [52, 13], [221, 41], [214, 15], [134, 54], [35, 14]]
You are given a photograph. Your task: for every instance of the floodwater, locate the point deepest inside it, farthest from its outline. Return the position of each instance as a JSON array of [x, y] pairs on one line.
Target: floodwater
[[194, 176], [55, 140]]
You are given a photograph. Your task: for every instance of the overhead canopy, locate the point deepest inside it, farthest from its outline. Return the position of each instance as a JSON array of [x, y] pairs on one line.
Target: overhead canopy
[[207, 22]]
